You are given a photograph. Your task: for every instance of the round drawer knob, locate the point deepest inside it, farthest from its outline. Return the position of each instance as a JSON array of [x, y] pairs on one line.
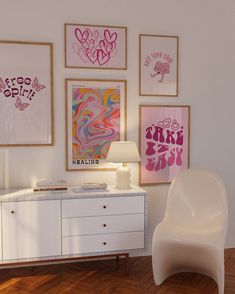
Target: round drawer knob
[[104, 225], [104, 206], [104, 243], [12, 211]]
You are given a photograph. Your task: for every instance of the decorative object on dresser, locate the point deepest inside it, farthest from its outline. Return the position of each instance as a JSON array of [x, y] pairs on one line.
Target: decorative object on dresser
[[51, 226], [86, 187], [124, 152], [51, 185]]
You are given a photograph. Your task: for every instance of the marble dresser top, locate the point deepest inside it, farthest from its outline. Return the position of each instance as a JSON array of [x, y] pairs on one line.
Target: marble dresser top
[[28, 194]]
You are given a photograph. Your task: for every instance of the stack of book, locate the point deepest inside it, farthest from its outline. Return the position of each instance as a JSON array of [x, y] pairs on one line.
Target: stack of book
[[53, 185], [86, 187]]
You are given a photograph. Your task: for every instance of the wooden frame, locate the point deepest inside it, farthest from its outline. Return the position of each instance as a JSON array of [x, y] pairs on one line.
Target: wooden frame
[[95, 116], [95, 46], [164, 132], [158, 65], [26, 93]]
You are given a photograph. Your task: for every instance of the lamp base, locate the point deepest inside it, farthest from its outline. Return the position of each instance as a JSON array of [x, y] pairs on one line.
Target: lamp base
[[123, 178]]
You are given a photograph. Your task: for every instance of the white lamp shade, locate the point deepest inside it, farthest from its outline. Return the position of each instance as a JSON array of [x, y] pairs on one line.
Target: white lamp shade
[[123, 151]]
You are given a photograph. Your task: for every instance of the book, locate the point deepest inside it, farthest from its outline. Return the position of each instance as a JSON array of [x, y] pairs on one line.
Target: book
[[51, 183], [50, 188], [93, 186]]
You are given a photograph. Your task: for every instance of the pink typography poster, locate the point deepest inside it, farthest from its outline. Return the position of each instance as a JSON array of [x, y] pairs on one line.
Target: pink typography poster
[[26, 93], [164, 142], [89, 46], [95, 118]]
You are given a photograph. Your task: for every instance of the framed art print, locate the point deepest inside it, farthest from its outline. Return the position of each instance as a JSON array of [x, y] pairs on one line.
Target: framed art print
[[95, 46], [95, 116], [164, 142], [26, 93], [158, 65]]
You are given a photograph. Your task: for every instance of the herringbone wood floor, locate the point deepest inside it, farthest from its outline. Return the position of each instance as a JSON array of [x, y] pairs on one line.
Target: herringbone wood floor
[[101, 277]]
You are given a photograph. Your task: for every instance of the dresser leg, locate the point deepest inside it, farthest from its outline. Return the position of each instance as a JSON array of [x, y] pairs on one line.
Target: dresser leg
[[117, 261], [126, 266]]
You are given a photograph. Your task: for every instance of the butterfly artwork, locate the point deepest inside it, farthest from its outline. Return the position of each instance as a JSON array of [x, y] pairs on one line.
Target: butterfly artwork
[[21, 105], [2, 85], [38, 87]]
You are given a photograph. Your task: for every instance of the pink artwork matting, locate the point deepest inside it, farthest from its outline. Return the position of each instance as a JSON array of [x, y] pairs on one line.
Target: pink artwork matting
[[89, 46], [164, 142]]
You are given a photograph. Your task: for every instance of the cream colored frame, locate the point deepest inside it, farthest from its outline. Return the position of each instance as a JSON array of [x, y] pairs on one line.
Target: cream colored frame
[[124, 115]]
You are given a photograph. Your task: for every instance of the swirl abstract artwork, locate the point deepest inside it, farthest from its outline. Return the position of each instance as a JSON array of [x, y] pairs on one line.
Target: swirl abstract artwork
[[95, 115]]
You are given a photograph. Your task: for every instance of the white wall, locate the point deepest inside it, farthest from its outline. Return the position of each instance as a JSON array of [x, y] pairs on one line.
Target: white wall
[[206, 82]]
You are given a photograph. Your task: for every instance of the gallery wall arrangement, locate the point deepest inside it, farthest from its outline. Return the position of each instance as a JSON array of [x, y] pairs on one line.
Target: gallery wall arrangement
[[96, 109]]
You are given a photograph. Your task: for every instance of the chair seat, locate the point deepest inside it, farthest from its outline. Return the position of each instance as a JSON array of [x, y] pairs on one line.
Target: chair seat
[[190, 234]]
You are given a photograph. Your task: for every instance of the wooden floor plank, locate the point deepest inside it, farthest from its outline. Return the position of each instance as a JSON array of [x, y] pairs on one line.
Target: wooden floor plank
[[101, 277]]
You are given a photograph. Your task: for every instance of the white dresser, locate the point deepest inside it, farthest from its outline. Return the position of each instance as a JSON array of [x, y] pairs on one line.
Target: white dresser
[[46, 226], [102, 224]]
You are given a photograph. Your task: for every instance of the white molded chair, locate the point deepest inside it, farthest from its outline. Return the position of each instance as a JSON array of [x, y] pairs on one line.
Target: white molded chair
[[192, 234]]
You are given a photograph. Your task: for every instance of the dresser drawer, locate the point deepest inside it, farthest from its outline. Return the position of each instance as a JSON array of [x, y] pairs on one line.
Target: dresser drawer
[[102, 206], [102, 224], [102, 243]]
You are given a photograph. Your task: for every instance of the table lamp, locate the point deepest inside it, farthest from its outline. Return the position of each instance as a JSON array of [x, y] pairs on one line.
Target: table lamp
[[123, 152]]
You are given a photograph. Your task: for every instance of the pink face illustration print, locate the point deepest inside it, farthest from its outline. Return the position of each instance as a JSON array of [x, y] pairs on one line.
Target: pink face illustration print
[[160, 69]]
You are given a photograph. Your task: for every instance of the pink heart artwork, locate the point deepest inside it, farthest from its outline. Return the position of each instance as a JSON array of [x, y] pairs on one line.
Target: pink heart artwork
[[92, 56], [102, 45], [82, 54], [96, 46], [105, 47], [110, 37], [92, 35], [81, 36], [102, 57], [91, 44], [109, 47]]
